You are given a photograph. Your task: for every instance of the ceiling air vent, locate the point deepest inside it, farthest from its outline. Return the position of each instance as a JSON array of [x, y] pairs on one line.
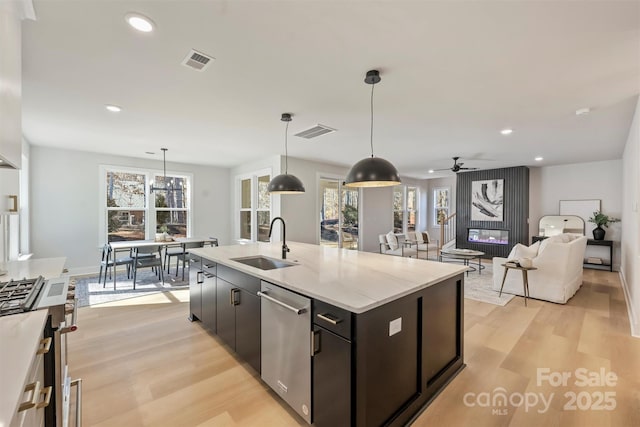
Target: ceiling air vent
[[197, 60], [315, 131]]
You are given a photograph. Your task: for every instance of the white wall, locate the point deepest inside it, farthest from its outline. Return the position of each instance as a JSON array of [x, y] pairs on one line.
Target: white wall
[[65, 202], [377, 207], [630, 263], [579, 181], [302, 211]]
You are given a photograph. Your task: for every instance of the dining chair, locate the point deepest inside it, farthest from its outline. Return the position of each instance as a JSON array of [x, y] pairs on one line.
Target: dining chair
[[107, 263], [183, 256], [145, 257], [171, 251]]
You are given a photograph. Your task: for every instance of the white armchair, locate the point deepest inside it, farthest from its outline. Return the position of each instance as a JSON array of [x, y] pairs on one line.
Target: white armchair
[[421, 241], [558, 260], [395, 244]]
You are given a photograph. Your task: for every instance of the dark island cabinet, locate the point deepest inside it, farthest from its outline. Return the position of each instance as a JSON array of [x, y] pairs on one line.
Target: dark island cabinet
[[196, 278], [209, 295], [383, 366], [238, 313]]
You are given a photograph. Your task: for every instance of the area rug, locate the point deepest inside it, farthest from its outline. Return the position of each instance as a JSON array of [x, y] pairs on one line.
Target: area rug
[[478, 287], [90, 292]]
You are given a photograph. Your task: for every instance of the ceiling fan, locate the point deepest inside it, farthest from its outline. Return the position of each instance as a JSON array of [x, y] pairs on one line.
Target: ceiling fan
[[456, 166]]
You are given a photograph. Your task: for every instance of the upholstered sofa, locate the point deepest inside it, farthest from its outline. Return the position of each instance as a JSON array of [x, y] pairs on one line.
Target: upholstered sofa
[[558, 260]]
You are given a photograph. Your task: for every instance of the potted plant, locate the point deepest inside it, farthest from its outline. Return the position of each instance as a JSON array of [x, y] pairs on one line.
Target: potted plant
[[163, 236], [600, 220]]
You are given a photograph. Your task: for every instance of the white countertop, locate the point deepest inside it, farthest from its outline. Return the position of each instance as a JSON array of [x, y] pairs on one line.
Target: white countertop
[[31, 268], [20, 336], [352, 280]]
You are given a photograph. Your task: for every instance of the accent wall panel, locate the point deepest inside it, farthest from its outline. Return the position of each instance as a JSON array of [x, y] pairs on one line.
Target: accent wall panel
[[501, 198]]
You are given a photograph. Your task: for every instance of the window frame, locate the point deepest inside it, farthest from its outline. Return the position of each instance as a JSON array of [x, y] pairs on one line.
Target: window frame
[[254, 209], [150, 210], [404, 188], [436, 207]]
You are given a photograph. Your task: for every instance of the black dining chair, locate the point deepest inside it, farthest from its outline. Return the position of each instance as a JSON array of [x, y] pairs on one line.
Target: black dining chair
[[110, 261], [184, 255], [147, 257], [171, 251]]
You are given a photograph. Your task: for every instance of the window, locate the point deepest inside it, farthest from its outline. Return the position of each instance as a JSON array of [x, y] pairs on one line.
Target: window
[[405, 208], [131, 212], [254, 207], [338, 214], [440, 205], [412, 208], [398, 209]]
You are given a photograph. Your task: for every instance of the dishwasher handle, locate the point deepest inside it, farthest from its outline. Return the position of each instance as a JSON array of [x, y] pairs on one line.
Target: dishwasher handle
[[297, 311]]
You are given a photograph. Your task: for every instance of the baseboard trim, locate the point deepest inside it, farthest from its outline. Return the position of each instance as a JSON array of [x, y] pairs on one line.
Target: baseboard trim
[[633, 322], [82, 271]]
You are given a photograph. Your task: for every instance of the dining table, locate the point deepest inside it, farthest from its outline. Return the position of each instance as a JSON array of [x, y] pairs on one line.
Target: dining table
[[129, 245]]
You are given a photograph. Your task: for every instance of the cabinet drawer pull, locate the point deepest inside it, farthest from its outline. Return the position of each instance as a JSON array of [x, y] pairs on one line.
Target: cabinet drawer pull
[[45, 346], [47, 397], [235, 300], [199, 278], [34, 388], [328, 319]]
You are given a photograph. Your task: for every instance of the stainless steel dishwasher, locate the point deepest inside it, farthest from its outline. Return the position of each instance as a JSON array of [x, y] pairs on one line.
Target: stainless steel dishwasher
[[286, 346]]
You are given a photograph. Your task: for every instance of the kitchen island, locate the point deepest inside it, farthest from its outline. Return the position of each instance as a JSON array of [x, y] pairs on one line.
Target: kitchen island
[[384, 334]]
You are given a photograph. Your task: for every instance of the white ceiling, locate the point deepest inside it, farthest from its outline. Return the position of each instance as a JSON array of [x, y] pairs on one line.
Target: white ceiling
[[453, 75]]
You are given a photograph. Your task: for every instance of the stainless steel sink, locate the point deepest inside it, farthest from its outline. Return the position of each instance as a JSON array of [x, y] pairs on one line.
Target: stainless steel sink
[[263, 262]]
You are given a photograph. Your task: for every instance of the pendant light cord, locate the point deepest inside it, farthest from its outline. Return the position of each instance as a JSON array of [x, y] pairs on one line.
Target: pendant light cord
[[371, 133], [286, 150]]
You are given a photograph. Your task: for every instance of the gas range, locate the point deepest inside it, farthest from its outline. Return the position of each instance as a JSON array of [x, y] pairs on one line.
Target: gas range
[[19, 296]]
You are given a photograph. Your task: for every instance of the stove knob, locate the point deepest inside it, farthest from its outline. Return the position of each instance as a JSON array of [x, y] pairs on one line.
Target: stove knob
[[71, 295], [68, 308], [72, 286]]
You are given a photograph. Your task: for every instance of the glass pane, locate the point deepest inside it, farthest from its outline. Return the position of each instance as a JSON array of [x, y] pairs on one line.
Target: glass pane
[[245, 193], [441, 197], [126, 190], [264, 221], [350, 219], [264, 200], [172, 222], [397, 222], [329, 212], [245, 225], [125, 225], [176, 194], [397, 199], [412, 207]]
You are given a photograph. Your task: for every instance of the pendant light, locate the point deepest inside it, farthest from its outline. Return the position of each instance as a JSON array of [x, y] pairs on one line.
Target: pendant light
[[372, 171], [285, 183], [164, 179]]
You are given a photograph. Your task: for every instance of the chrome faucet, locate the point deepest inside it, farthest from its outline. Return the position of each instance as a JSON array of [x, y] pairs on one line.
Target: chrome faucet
[[285, 249]]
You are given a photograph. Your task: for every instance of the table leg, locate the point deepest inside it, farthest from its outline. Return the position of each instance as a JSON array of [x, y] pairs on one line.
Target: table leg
[[503, 278], [479, 265], [525, 285]]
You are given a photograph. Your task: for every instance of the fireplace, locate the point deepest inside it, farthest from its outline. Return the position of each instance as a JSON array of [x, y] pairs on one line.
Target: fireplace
[[488, 236]]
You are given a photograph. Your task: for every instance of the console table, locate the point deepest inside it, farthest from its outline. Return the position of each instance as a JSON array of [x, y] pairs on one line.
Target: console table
[[591, 242]]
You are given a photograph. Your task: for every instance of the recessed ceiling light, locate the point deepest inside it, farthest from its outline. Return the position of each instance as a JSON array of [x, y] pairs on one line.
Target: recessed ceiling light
[[539, 159], [506, 131], [139, 22], [430, 170], [582, 111], [113, 108]]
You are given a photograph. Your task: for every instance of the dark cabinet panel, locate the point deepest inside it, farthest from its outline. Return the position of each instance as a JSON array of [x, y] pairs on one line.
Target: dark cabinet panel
[[387, 360], [248, 327], [226, 313], [209, 301], [195, 290], [239, 279], [332, 318], [441, 335], [331, 379]]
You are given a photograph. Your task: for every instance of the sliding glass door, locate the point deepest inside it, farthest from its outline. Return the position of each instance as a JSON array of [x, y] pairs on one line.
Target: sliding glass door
[[338, 214]]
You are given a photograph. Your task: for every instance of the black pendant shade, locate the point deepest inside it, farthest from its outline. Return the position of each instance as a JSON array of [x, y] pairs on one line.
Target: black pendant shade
[[285, 183], [372, 171]]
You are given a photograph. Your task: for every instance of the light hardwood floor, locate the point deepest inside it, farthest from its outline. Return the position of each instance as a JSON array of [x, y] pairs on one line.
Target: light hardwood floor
[[144, 364]]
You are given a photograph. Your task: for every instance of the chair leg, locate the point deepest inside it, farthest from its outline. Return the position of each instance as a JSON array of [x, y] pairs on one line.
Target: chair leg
[[135, 270], [115, 274]]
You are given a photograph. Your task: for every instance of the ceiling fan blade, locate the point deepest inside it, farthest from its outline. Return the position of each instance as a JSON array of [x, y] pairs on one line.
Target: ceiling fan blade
[[445, 169], [469, 168]]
